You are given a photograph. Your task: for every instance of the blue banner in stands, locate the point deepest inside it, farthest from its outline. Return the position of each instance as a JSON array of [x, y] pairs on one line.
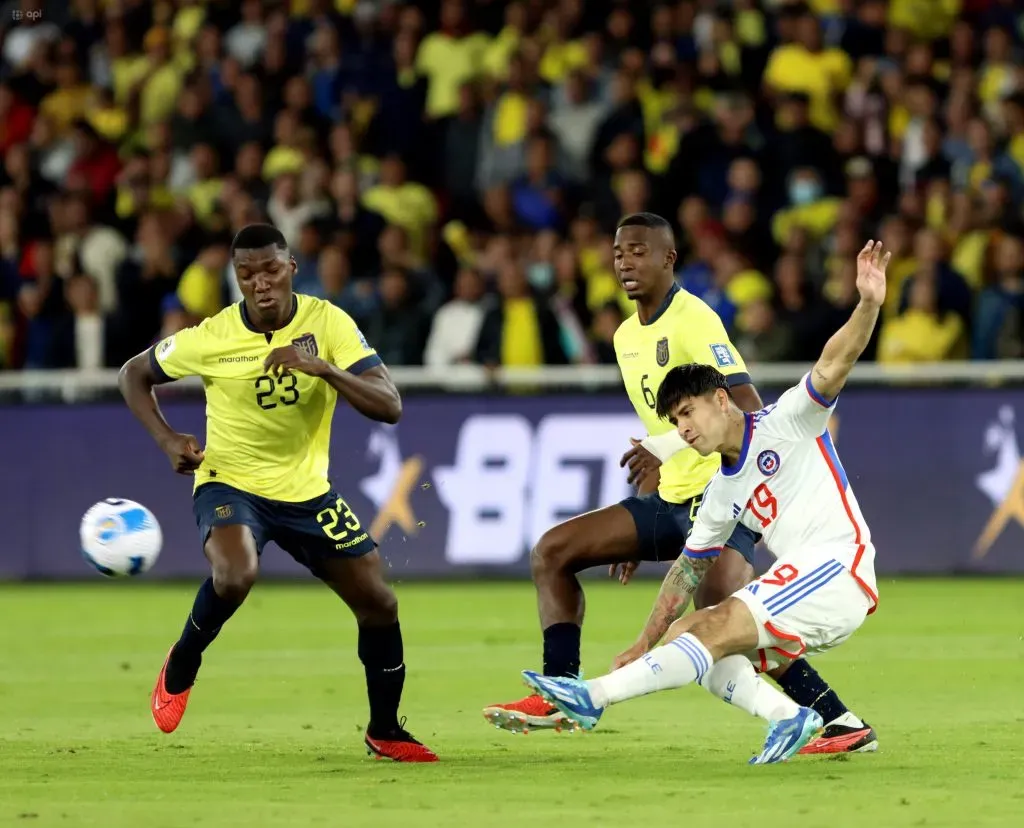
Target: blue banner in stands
[[465, 485]]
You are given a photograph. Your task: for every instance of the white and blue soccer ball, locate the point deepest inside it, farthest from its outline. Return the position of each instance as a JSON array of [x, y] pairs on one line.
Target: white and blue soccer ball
[[120, 537]]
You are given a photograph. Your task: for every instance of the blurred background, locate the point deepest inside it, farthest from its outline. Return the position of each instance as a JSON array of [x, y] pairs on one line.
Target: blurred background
[[450, 173]]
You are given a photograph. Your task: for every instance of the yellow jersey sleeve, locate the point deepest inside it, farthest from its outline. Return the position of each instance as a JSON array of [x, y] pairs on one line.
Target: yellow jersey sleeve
[[179, 355], [348, 349], [705, 341]]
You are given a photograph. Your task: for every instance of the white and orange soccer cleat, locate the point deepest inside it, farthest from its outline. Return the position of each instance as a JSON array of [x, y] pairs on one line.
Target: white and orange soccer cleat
[[527, 714]]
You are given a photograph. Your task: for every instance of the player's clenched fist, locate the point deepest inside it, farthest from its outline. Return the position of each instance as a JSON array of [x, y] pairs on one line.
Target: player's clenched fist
[[871, 265], [184, 453], [291, 358]]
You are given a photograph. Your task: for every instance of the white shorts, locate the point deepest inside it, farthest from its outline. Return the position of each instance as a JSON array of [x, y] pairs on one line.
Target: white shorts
[[806, 604]]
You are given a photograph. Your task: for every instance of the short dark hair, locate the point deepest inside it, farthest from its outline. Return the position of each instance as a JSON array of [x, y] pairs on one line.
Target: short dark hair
[[651, 221], [685, 381], [255, 236]]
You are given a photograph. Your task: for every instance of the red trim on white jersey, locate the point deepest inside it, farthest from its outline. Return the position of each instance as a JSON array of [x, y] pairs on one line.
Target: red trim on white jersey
[[858, 535]]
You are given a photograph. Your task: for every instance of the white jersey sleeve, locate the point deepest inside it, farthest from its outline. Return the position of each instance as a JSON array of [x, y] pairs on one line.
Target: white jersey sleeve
[[716, 519], [801, 412]]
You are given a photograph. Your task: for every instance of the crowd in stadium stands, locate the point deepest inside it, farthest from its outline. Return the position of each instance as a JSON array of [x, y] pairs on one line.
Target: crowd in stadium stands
[[451, 173]]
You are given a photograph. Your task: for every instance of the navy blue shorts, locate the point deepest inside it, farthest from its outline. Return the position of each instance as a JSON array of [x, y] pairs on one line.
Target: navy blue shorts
[[663, 527], [311, 531]]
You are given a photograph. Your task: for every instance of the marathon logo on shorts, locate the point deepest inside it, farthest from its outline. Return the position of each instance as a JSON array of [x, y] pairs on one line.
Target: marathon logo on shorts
[[307, 343], [768, 462], [723, 356], [661, 353], [223, 512]]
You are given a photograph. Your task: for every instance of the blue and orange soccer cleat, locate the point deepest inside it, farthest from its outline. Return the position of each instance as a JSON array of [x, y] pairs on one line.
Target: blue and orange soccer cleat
[[398, 745], [167, 708], [786, 737], [570, 695]]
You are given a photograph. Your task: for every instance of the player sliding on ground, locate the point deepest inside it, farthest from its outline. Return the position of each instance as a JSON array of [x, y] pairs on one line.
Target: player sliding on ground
[[274, 366], [670, 327], [781, 476]]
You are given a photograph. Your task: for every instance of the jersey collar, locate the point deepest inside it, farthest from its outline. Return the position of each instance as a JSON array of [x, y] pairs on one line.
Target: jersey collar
[[748, 434], [664, 305], [254, 329]]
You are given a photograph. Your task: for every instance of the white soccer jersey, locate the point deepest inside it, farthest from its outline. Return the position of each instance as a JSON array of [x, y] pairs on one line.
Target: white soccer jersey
[[789, 486]]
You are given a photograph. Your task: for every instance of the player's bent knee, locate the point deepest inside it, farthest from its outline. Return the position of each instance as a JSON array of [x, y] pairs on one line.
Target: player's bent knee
[[378, 610], [551, 553], [233, 582], [726, 628]]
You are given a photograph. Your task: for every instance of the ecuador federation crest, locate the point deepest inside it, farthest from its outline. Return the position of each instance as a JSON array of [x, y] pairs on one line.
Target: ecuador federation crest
[[661, 353], [307, 343]]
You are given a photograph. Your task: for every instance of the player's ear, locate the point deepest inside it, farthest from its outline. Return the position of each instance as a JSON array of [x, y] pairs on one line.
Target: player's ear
[[670, 257], [293, 265]]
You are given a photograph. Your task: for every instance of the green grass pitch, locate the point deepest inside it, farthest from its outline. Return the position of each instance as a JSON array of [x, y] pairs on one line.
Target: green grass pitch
[[273, 734]]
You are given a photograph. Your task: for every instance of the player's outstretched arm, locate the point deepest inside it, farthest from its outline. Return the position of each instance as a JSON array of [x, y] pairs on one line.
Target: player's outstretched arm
[[136, 381], [673, 599], [847, 344]]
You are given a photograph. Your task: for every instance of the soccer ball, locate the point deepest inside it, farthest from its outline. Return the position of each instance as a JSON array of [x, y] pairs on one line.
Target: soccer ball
[[120, 537]]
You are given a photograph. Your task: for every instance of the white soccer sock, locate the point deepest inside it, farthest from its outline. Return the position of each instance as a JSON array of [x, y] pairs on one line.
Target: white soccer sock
[[679, 662], [734, 681], [848, 719]]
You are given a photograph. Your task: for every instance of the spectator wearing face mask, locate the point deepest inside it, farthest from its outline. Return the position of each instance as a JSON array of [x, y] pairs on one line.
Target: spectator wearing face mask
[[809, 207]]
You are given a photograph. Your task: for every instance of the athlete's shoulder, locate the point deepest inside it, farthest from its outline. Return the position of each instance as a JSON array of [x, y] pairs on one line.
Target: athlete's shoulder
[[771, 426], [224, 324], [628, 327], [314, 304], [691, 306]]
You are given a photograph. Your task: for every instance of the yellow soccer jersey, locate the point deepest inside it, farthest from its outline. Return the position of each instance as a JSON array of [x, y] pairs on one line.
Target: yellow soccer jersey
[[265, 435], [683, 330]]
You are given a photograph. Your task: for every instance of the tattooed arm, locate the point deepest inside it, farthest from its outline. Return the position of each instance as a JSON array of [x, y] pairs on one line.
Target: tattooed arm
[[677, 591]]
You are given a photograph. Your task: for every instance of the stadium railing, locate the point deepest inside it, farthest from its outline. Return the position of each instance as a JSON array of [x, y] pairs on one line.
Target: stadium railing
[[79, 386]]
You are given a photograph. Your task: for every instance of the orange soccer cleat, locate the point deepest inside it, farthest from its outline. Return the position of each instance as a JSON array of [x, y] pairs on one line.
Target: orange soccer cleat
[[523, 715], [399, 746], [841, 738], [167, 708]]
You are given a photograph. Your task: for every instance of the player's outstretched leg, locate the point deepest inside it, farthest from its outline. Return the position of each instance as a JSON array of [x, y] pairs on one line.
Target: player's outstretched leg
[[712, 636], [844, 732], [234, 561], [597, 538], [360, 584]]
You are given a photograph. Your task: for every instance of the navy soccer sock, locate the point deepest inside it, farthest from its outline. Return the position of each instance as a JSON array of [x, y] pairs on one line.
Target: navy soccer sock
[[209, 613], [803, 685], [382, 654], [562, 650]]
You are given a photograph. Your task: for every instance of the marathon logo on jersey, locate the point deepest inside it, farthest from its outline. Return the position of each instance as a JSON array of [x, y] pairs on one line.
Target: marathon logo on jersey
[[362, 340], [661, 354], [723, 356], [768, 462], [307, 343], [223, 512]]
